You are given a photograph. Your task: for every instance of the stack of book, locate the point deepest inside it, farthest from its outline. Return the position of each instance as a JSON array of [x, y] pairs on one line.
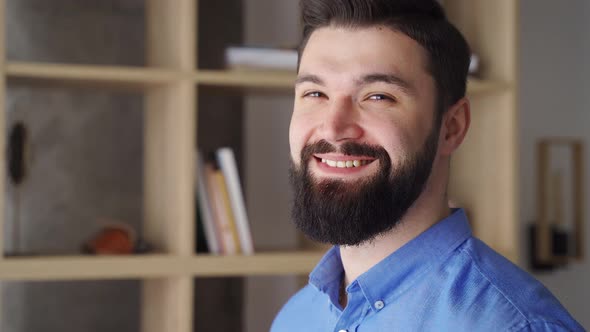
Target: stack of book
[[221, 205]]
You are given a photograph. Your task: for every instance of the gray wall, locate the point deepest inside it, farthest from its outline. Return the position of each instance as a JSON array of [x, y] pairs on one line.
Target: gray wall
[[555, 101]]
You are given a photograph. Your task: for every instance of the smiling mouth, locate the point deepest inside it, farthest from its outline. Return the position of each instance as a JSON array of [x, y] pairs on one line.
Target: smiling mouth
[[348, 163]]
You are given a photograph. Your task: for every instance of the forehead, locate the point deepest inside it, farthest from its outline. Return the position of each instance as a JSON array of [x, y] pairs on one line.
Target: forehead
[[346, 51]]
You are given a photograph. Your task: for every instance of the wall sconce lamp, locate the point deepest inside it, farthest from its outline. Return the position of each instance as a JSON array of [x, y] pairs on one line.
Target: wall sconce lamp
[[557, 236]]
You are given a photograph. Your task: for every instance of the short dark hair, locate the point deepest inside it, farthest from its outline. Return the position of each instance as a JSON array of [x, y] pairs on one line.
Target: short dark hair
[[422, 20]]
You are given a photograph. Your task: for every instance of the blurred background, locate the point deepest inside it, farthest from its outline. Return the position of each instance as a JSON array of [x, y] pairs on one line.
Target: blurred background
[[85, 152]]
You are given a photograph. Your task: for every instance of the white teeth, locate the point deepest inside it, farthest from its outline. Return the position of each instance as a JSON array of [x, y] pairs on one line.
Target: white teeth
[[345, 164]]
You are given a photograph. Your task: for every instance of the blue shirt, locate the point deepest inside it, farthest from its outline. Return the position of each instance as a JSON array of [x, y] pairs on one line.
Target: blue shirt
[[443, 280]]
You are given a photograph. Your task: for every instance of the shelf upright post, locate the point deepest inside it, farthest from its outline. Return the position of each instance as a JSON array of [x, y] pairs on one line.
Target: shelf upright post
[[2, 128], [167, 303], [2, 121]]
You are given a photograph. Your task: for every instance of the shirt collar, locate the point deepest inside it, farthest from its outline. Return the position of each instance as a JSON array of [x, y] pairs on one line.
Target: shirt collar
[[398, 271]]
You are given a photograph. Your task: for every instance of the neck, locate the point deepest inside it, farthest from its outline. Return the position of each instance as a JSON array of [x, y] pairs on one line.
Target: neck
[[428, 209]]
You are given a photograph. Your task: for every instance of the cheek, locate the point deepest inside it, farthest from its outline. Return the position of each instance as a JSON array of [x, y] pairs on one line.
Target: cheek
[[393, 137], [297, 137]]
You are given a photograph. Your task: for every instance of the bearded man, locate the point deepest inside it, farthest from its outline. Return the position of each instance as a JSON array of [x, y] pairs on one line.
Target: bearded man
[[379, 109]]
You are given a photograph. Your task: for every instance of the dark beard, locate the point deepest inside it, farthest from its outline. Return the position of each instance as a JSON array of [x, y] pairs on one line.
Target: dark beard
[[355, 212]]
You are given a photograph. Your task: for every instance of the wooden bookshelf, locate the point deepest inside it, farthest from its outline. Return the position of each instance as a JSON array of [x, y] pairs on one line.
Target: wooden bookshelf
[[484, 174]]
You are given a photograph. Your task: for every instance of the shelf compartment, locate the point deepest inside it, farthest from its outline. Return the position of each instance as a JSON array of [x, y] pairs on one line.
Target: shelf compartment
[[155, 266], [93, 305], [114, 76], [85, 167], [95, 32]]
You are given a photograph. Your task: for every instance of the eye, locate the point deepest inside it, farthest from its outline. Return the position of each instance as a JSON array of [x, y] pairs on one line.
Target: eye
[[381, 97], [314, 94]]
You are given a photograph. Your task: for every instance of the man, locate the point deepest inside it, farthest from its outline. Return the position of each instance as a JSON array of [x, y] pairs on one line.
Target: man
[[379, 109]]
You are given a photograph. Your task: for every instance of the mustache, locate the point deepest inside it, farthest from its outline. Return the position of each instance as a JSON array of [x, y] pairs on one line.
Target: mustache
[[348, 149]]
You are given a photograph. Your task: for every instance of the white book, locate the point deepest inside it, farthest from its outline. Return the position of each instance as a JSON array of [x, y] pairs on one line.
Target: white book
[[227, 163], [260, 57], [205, 206]]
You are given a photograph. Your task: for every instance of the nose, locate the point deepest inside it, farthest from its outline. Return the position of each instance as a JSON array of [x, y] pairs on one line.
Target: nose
[[340, 121]]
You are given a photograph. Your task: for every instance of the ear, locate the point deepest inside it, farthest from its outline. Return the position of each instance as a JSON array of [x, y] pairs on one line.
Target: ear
[[454, 127]]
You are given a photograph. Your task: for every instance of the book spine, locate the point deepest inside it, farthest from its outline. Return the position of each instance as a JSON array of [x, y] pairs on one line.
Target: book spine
[[227, 162], [228, 210], [221, 211], [211, 233], [222, 219]]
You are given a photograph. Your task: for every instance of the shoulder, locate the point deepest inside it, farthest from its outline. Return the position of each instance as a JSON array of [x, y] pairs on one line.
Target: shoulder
[[299, 305], [512, 291]]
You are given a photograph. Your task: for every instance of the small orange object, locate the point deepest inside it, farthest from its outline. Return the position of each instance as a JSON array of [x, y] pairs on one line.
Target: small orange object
[[112, 240]]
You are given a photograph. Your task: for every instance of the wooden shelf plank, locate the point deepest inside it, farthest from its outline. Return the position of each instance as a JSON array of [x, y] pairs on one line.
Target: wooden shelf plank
[[284, 80], [265, 79], [129, 77], [155, 266], [279, 263], [116, 76]]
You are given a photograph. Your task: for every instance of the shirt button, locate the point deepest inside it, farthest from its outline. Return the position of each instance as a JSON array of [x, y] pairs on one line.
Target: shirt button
[[379, 305]]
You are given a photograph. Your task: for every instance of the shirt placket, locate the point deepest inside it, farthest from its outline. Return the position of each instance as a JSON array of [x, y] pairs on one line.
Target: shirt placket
[[355, 311]]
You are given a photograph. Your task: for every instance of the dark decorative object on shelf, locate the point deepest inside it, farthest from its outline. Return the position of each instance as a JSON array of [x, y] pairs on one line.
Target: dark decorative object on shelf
[[16, 153]]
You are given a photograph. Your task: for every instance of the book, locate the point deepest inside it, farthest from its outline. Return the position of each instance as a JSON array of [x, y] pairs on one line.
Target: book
[[227, 163], [247, 57], [218, 207], [229, 214], [203, 245], [204, 208]]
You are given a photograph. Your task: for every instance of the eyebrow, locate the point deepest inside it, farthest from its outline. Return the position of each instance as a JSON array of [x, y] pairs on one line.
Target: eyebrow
[[309, 78], [391, 79]]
